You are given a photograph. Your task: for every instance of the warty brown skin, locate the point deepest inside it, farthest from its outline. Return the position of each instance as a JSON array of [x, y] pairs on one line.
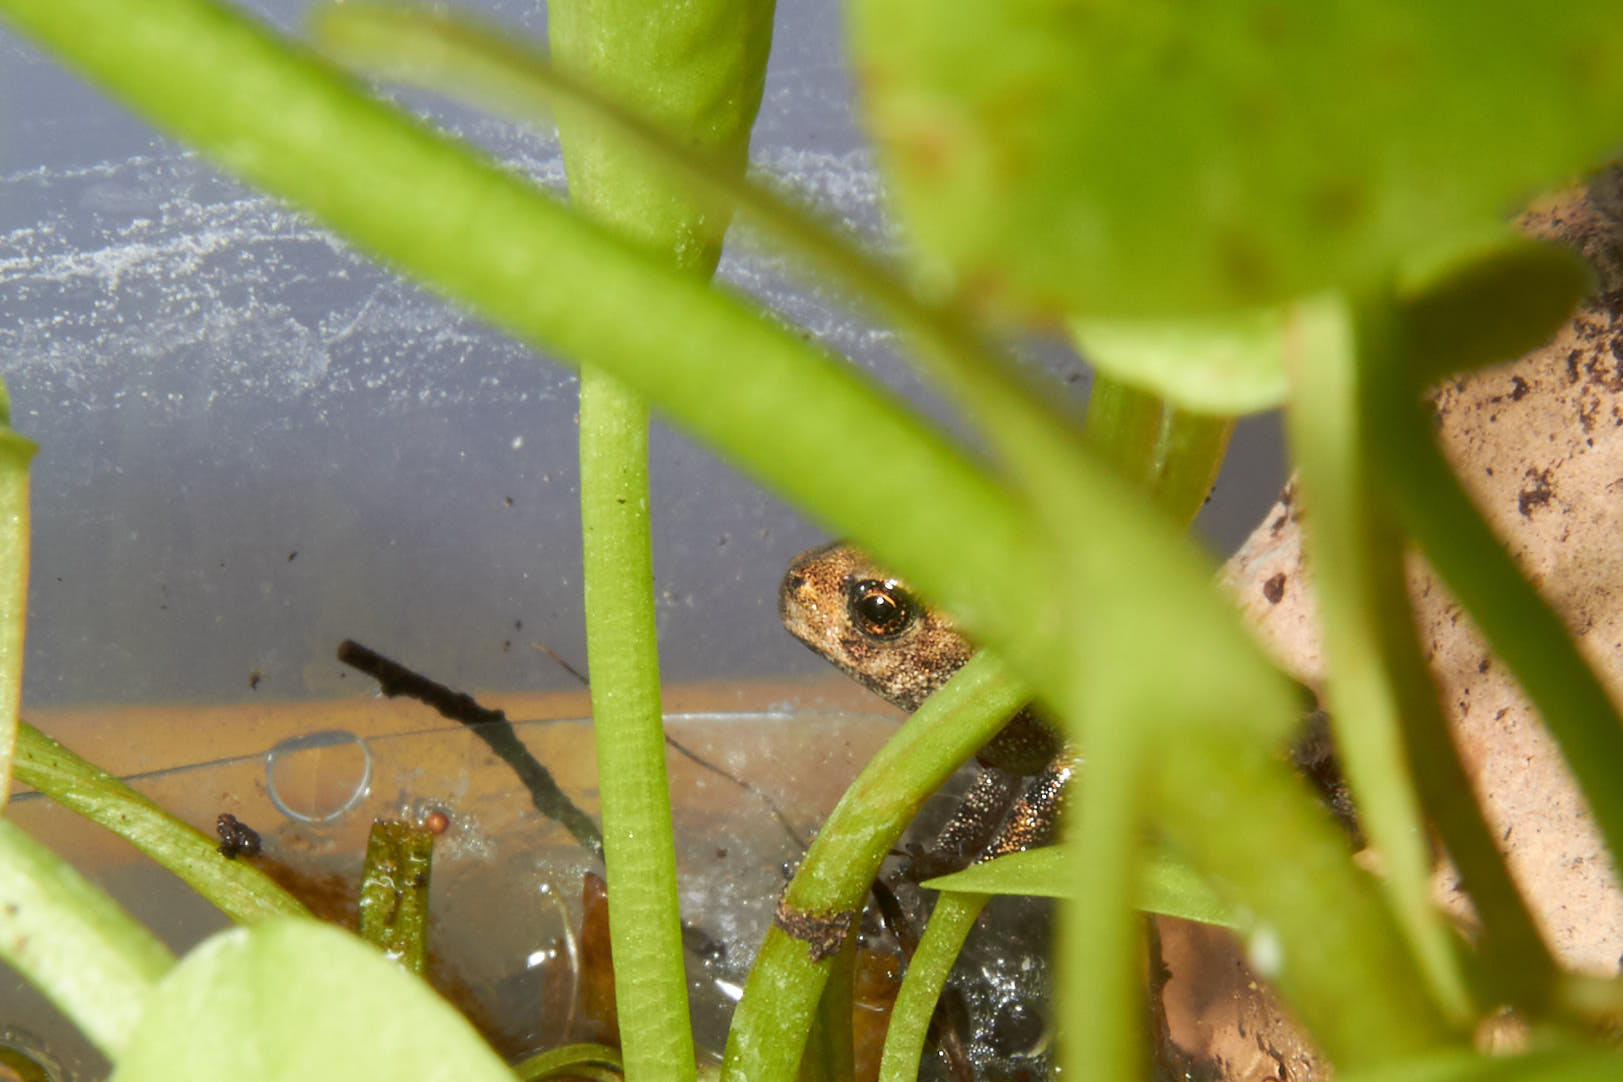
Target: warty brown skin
[[828, 599], [865, 621], [815, 605]]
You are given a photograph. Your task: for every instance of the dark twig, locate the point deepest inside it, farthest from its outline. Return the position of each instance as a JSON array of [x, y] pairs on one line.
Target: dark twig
[[491, 726]]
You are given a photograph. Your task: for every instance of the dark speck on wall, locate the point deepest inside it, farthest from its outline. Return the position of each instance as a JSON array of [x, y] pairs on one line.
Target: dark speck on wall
[[294, 555], [1274, 588], [253, 680], [1536, 493]]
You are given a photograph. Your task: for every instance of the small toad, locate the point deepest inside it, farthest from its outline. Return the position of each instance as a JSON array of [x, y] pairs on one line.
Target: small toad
[[864, 620]]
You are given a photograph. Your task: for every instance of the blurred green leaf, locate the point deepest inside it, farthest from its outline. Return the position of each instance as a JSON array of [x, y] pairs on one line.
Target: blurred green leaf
[[73, 943], [1167, 886], [1488, 306], [1232, 362], [292, 1000], [1145, 157]]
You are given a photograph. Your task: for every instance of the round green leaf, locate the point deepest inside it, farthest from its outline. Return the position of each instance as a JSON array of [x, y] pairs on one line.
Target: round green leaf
[[292, 1000], [1226, 363], [1143, 157]]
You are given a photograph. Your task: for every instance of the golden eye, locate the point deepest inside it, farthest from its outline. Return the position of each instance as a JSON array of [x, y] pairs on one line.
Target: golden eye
[[880, 607]]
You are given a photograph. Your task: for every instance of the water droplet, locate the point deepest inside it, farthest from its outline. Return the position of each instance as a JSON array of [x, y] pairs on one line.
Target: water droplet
[[318, 777], [1265, 952]]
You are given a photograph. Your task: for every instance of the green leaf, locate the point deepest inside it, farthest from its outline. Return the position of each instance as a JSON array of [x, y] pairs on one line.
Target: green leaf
[[74, 943], [292, 1000], [1232, 362], [1167, 886], [1138, 157]]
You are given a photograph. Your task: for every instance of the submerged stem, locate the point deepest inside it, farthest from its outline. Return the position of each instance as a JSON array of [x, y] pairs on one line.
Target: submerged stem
[[394, 891]]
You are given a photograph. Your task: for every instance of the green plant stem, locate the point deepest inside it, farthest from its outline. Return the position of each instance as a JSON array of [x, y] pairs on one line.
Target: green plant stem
[[74, 943], [1427, 499], [770, 1025], [950, 921], [644, 924], [1098, 961], [565, 1060], [831, 1048], [15, 453], [1367, 625], [394, 892], [1172, 454], [696, 73], [1523, 630], [237, 888]]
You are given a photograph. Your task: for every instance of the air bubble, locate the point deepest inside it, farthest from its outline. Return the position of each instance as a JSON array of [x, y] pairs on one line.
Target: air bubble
[[318, 777]]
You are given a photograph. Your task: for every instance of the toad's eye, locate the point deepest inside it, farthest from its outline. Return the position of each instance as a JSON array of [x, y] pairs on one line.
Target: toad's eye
[[880, 608]]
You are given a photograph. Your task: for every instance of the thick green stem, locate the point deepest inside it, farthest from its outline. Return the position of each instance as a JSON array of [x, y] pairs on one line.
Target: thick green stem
[[240, 890], [1426, 497], [770, 1025], [644, 925], [1367, 627], [950, 921], [394, 891], [695, 71], [74, 943], [1098, 958]]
